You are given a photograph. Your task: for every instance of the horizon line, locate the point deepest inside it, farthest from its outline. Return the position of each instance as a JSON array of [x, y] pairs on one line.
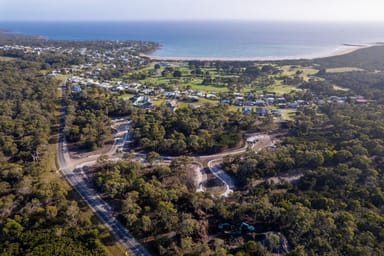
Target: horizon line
[[194, 20]]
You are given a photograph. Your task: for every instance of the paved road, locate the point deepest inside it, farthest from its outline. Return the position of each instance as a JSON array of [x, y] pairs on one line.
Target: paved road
[[256, 143], [99, 206], [215, 168], [259, 142]]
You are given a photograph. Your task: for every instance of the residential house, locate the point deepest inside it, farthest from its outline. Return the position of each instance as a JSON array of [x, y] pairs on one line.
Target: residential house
[[261, 111]]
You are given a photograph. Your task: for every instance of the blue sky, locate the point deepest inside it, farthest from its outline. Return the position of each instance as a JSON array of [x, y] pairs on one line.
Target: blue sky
[[292, 10]]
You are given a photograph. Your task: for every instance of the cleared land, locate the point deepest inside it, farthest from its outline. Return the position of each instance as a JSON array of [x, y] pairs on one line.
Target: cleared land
[[7, 58], [343, 69]]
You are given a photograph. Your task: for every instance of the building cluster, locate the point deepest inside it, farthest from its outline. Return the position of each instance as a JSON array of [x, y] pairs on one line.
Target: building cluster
[[31, 50], [252, 103], [96, 61], [99, 61]]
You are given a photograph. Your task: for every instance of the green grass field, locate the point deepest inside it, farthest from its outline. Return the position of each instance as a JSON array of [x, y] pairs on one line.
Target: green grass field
[[305, 72], [189, 81], [206, 88], [339, 88], [126, 96], [288, 114], [7, 59], [280, 88]]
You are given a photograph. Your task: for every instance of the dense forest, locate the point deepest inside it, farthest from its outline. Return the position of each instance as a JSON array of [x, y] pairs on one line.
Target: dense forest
[[338, 203], [204, 130], [159, 201], [37, 216], [87, 121]]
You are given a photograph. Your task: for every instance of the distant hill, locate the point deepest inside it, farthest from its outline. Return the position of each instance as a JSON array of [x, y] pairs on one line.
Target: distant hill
[[370, 58]]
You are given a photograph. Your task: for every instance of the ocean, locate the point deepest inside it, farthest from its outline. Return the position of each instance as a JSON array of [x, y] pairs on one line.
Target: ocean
[[217, 40]]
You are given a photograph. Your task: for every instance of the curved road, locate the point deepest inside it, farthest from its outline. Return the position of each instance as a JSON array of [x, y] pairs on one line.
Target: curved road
[[219, 173], [255, 143], [98, 205]]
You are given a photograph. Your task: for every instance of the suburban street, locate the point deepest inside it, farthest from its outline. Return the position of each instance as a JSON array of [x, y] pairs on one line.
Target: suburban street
[[90, 196], [72, 170]]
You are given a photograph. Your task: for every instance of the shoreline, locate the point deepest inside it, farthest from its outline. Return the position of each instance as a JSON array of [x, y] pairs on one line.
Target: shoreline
[[342, 50]]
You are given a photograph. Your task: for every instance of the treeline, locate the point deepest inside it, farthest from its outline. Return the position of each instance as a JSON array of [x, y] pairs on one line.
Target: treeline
[[367, 84], [9, 38], [36, 215], [204, 130]]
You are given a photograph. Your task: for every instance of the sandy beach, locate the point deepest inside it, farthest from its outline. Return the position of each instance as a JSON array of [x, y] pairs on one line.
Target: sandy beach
[[342, 50]]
